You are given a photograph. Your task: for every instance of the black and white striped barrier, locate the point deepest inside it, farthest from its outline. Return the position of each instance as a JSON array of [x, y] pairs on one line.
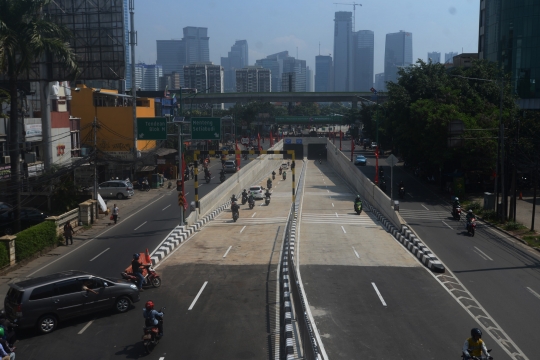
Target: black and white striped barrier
[[182, 233], [411, 241]]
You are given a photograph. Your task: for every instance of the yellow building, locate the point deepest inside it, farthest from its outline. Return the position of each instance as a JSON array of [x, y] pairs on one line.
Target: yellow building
[[114, 113]]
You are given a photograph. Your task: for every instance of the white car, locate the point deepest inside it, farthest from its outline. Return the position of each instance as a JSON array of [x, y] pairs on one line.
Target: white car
[[257, 191], [284, 166]]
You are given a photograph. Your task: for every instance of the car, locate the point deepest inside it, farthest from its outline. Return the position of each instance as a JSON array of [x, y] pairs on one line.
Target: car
[[119, 189], [5, 206], [373, 145], [360, 160], [229, 166], [257, 191], [29, 217], [44, 301], [284, 166]]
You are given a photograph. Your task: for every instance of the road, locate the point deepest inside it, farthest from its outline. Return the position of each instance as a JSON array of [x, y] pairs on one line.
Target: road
[[501, 273]]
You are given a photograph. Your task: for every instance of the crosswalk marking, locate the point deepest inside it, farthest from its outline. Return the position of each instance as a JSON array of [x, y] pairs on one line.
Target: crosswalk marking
[[339, 219], [424, 214], [307, 193], [247, 221]]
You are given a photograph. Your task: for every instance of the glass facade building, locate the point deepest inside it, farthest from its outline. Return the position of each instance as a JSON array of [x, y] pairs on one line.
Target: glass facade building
[[397, 54], [323, 73]]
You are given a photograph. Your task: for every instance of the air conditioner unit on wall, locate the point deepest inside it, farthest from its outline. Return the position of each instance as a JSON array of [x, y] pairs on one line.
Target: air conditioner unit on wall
[[7, 160]]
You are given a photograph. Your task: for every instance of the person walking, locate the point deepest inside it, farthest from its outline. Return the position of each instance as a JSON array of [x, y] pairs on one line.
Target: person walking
[[115, 213], [68, 233]]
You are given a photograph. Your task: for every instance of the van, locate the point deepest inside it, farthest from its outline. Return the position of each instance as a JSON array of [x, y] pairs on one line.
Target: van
[[44, 301]]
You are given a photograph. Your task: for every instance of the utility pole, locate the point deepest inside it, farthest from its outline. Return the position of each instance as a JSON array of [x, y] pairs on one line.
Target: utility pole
[[94, 125], [501, 124], [132, 43]]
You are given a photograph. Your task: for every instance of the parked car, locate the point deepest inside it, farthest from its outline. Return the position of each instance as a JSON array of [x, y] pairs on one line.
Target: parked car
[[257, 191], [360, 160], [5, 206], [373, 145], [119, 189], [29, 217], [230, 166], [44, 301]]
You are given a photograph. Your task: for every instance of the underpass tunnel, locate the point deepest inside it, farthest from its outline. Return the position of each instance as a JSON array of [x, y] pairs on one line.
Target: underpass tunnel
[[298, 151], [316, 151]]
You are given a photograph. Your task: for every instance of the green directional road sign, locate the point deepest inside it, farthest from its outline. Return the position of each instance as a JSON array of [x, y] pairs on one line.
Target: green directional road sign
[[152, 128], [205, 128]]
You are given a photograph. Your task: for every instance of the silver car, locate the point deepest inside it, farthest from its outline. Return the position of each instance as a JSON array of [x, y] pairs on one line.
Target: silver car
[[119, 189], [230, 166]]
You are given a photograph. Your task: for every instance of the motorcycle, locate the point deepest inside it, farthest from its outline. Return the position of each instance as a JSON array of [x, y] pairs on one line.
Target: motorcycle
[[145, 186], [245, 157], [151, 277], [186, 176], [478, 358], [207, 178], [235, 215], [320, 161], [222, 177], [251, 204], [280, 171], [456, 212], [358, 207], [150, 337], [401, 192], [383, 186], [169, 185], [269, 184], [471, 227], [273, 176], [244, 199], [267, 200], [284, 175]]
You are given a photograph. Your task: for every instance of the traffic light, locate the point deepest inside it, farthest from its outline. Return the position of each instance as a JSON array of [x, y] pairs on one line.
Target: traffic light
[[180, 199], [178, 185]]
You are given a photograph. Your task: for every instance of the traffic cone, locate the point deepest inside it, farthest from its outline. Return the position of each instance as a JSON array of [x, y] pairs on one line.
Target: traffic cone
[[520, 196]]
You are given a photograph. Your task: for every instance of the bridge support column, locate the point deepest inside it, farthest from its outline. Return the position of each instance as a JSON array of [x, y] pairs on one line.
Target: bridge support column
[[355, 105]]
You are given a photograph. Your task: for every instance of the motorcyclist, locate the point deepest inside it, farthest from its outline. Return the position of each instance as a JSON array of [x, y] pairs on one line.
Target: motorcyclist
[[476, 345], [136, 269], [244, 193], [273, 174], [456, 203], [269, 183], [206, 172], [280, 171], [150, 317], [235, 208], [401, 185], [267, 193], [470, 217], [233, 198], [284, 174], [251, 199]]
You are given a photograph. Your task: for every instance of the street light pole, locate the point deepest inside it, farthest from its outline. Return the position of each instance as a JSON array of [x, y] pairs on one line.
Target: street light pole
[[133, 82]]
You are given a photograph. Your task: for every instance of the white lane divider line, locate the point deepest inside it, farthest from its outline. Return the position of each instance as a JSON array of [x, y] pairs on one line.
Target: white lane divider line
[[253, 214], [337, 215], [95, 257], [342, 228], [229, 249], [85, 327], [483, 253], [332, 204], [378, 293], [242, 229], [197, 297], [425, 207], [356, 252], [140, 225], [533, 292], [447, 225], [162, 358], [327, 190], [166, 206]]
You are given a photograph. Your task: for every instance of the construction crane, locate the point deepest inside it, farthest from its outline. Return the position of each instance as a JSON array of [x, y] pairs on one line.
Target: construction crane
[[354, 5]]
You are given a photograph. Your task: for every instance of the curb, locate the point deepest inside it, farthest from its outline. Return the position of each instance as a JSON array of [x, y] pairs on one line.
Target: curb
[[411, 241], [509, 234]]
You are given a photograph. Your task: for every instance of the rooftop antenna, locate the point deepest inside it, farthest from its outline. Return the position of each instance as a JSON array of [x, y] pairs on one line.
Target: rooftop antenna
[[319, 48], [354, 5]]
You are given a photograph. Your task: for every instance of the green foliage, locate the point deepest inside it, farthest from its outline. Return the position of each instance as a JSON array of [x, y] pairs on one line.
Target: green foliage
[[512, 226], [532, 240], [65, 194], [35, 239], [4, 254], [475, 206], [489, 215]]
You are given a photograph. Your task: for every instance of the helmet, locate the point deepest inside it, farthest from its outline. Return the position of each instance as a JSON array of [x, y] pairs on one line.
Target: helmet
[[476, 332], [470, 211], [149, 305], [136, 256], [1, 331], [456, 198]]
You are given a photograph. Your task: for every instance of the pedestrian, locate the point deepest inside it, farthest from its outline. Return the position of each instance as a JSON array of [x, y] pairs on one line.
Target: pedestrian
[[115, 213], [68, 232]]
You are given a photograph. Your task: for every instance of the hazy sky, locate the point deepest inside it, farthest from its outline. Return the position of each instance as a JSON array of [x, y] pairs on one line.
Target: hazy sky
[[277, 25]]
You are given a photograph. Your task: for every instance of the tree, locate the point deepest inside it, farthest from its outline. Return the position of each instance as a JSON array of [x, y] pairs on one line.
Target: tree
[[26, 34]]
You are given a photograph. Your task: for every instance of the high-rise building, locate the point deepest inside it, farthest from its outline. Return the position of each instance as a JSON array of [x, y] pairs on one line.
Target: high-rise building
[[379, 82], [509, 37], [310, 85], [126, 44], [397, 54], [274, 63], [288, 82], [253, 79], [343, 51], [147, 76], [171, 55], [236, 59], [170, 81], [323, 73], [364, 44], [434, 57], [196, 41], [205, 77], [449, 57], [292, 65]]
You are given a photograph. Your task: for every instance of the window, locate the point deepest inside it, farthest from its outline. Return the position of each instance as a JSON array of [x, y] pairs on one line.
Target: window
[[42, 292], [92, 283], [67, 287]]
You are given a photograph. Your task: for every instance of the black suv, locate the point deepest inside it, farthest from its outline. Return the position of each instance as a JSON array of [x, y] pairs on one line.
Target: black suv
[[46, 300]]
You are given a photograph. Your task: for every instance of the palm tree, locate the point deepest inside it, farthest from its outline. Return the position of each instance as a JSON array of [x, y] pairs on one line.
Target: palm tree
[[27, 34]]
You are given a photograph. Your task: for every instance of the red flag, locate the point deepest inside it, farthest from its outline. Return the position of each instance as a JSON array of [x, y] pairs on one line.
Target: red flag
[[271, 139], [352, 149], [238, 156]]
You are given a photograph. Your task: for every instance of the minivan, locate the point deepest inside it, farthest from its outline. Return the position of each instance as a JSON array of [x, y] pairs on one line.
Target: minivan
[[229, 166], [116, 188], [44, 301]]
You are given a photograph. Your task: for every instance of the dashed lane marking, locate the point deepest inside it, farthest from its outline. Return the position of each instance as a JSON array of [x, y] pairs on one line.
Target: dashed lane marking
[[227, 251], [378, 293], [197, 297]]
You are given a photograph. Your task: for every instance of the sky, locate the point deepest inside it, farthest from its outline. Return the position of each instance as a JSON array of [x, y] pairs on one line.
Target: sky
[[300, 25]]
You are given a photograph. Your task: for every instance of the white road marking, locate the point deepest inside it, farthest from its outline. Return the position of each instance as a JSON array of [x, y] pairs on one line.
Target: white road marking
[[378, 293], [533, 292], [197, 297], [85, 327], [253, 214], [95, 257], [424, 207], [356, 252], [332, 204], [447, 225], [337, 215], [162, 358], [482, 256], [409, 194], [140, 225], [242, 229], [342, 228], [483, 253], [228, 249], [166, 207]]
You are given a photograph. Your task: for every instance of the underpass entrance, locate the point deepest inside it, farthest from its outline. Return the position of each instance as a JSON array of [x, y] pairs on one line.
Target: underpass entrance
[[297, 148], [316, 151]]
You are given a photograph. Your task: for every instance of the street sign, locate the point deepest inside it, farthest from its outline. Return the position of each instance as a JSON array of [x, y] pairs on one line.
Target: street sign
[[205, 128], [244, 141], [287, 141], [152, 128], [298, 141], [392, 160], [179, 119]]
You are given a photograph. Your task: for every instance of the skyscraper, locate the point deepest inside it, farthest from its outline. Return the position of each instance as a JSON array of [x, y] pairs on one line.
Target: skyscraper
[[323, 73], [364, 44], [298, 67], [434, 57], [310, 86], [126, 45], [147, 76], [196, 41], [253, 79], [288, 82], [343, 51], [379, 82], [171, 55], [236, 59], [205, 77], [397, 54], [449, 57], [274, 62]]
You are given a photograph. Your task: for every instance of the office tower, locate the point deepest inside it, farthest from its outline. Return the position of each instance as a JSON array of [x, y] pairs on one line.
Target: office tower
[[236, 59], [343, 51], [434, 57], [310, 85], [196, 41], [205, 77], [171, 55], [449, 57], [126, 44], [364, 43], [397, 54], [170, 81], [379, 82], [253, 79], [292, 65], [288, 82], [323, 73], [147, 76], [274, 63]]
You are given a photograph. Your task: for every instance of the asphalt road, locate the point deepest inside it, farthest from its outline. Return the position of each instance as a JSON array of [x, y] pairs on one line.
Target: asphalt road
[[500, 272]]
